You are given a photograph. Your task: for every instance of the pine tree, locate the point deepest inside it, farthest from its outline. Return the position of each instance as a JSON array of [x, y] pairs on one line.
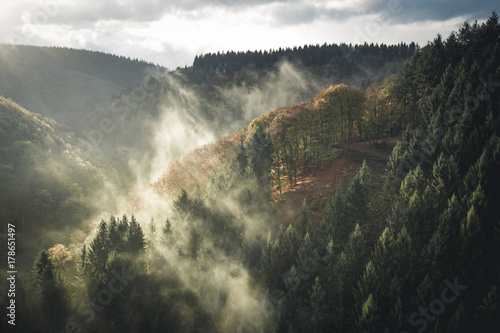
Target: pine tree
[[260, 150], [291, 242], [293, 285], [265, 262], [488, 312], [194, 242], [335, 214], [98, 252], [83, 259], [303, 219], [396, 318], [277, 255], [355, 248], [307, 263], [167, 233], [357, 196], [241, 158], [368, 319], [423, 292], [53, 298], [152, 233], [457, 321], [183, 205], [135, 241], [113, 235], [123, 227], [317, 306]]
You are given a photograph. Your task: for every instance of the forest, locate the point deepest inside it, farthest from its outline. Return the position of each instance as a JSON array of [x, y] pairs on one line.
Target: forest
[[326, 60], [204, 242]]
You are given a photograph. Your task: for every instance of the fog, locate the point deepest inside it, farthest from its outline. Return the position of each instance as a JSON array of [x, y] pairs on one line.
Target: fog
[[158, 122]]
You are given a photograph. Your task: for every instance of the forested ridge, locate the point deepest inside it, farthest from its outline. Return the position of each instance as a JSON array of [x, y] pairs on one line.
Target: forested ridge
[[328, 58], [219, 259]]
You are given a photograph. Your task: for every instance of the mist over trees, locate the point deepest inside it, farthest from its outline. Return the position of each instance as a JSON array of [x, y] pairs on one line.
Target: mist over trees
[[205, 248]]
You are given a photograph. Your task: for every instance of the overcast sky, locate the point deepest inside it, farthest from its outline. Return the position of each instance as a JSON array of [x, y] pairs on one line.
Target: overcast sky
[[171, 33]]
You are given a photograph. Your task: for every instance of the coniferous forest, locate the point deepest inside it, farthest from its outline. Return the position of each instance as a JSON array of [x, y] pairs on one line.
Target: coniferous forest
[[363, 198]]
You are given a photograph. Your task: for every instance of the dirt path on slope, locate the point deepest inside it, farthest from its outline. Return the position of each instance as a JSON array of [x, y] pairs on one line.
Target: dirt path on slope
[[318, 189]]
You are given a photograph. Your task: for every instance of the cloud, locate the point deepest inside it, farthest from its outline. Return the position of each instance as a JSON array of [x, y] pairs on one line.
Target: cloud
[[311, 11], [291, 15], [171, 32], [87, 14], [77, 13], [397, 11], [410, 11]]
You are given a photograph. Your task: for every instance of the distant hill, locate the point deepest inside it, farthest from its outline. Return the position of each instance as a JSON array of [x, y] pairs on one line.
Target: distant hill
[[358, 64], [62, 82]]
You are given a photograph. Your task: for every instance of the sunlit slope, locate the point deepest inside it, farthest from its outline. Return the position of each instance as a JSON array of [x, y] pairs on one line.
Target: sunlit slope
[[45, 179]]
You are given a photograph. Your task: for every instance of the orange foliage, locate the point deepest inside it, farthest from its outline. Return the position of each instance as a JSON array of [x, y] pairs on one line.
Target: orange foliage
[[59, 255], [198, 166]]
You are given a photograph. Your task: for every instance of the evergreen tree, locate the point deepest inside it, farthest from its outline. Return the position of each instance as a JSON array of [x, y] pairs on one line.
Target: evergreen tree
[[488, 312], [369, 318], [334, 217], [113, 236], [53, 298], [98, 252], [307, 262], [194, 243], [265, 262], [183, 205], [303, 219], [293, 298], [135, 242], [167, 233], [317, 306], [152, 233], [357, 196], [260, 150]]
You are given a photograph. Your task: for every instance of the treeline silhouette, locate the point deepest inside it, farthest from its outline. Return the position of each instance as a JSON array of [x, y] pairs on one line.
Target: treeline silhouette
[[341, 58]]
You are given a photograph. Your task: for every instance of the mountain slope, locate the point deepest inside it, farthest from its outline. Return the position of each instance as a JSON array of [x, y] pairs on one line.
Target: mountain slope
[[63, 83], [46, 183]]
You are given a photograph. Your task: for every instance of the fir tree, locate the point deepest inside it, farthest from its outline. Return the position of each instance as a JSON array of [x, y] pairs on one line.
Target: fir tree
[[317, 306], [135, 241], [53, 298], [303, 219]]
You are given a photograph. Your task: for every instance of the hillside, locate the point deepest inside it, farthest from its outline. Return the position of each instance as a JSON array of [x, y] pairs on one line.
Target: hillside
[[46, 182], [400, 227], [318, 189], [126, 108], [65, 83], [365, 207]]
